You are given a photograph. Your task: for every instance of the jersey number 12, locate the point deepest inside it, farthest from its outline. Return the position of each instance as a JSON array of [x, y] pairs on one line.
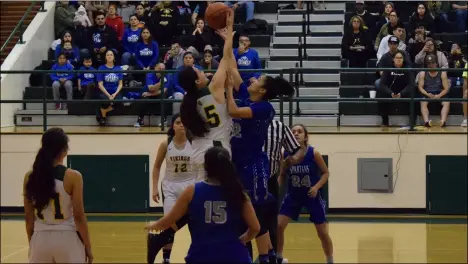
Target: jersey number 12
[[215, 212], [58, 215]]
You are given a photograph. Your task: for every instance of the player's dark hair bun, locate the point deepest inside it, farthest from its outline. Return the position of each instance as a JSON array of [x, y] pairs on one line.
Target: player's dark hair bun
[[277, 86]]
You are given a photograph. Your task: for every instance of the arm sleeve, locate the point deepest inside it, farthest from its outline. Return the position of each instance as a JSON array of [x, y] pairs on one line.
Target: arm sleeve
[[383, 83], [155, 55], [54, 76]]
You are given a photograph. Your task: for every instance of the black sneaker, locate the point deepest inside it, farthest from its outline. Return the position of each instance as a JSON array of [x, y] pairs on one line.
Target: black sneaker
[[155, 243]]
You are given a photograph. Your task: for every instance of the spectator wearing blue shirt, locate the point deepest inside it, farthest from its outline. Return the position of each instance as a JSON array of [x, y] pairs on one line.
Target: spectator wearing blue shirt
[[62, 80], [110, 84], [87, 81], [147, 51], [73, 53], [247, 59], [152, 90], [130, 40]]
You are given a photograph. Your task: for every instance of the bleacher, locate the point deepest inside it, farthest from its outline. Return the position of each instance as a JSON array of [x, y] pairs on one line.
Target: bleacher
[[84, 113], [358, 85]]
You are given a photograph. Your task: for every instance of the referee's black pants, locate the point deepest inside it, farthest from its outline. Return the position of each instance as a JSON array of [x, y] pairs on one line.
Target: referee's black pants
[[273, 188]]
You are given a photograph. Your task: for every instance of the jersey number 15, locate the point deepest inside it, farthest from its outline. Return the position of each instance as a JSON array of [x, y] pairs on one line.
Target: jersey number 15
[[215, 212]]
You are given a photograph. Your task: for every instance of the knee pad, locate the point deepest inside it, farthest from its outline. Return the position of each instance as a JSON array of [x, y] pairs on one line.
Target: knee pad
[[171, 239]]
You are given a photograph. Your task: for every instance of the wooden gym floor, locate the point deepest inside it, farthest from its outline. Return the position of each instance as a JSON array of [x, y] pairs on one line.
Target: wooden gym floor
[[157, 130], [382, 239]]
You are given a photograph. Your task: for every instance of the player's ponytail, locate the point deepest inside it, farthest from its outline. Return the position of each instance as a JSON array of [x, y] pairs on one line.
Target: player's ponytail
[[219, 167], [40, 187], [188, 109], [170, 131], [277, 86]]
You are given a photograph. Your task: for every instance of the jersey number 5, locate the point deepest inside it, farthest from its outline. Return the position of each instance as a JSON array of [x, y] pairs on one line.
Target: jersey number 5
[[211, 116], [56, 205], [215, 212]]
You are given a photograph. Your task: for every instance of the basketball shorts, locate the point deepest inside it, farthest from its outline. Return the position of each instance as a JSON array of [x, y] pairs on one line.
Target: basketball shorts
[[254, 177], [200, 146], [227, 252], [171, 191], [56, 247], [292, 206]]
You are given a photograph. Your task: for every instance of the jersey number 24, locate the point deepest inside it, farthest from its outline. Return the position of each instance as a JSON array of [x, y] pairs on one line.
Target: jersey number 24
[[215, 212], [212, 116]]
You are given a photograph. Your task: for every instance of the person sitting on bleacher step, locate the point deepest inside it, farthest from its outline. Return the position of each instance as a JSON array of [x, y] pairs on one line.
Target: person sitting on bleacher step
[[398, 32], [87, 80], [130, 40], [62, 80]]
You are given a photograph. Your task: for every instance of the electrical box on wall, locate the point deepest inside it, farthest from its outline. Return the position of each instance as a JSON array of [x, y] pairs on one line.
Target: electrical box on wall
[[375, 175]]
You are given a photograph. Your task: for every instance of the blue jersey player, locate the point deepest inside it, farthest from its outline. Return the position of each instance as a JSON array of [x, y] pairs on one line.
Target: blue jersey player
[[251, 120], [304, 182], [219, 212]]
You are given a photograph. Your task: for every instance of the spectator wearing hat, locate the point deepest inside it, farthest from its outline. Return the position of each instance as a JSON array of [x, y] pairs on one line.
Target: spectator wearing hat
[[395, 38], [395, 84], [386, 61], [430, 48], [208, 62], [357, 43], [361, 11], [435, 85]]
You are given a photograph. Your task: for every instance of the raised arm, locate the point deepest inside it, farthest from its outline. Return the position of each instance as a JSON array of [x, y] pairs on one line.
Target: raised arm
[[219, 77]]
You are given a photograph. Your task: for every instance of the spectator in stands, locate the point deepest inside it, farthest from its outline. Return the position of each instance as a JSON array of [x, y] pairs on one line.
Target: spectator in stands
[[67, 37], [141, 14], [114, 21], [174, 57], [146, 52], [439, 11], [416, 42], [456, 61], [152, 90], [361, 11], [208, 62], [461, 14], [357, 43], [130, 40], [63, 18], [398, 31], [125, 10], [422, 18], [62, 80], [110, 85], [163, 22], [388, 28], [248, 5], [386, 61], [433, 84], [199, 11], [103, 38], [87, 80], [385, 18], [94, 7], [395, 84], [189, 61], [72, 53], [200, 36], [465, 96], [247, 58], [430, 48]]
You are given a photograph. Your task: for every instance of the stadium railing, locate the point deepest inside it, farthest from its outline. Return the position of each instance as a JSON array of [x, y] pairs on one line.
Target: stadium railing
[[292, 73]]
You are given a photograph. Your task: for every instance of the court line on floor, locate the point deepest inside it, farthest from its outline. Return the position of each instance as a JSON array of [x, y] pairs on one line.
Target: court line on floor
[[14, 253]]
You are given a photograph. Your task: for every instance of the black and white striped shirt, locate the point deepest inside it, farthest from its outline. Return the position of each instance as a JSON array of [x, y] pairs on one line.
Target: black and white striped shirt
[[279, 136]]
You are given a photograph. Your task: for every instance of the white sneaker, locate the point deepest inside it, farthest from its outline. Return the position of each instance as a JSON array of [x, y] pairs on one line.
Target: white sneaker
[[464, 123], [285, 260]]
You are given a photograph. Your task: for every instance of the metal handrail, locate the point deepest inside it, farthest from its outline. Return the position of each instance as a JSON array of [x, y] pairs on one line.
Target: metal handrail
[[293, 79], [19, 27]]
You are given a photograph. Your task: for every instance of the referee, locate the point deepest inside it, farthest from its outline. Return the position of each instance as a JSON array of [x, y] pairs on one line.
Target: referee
[[279, 137]]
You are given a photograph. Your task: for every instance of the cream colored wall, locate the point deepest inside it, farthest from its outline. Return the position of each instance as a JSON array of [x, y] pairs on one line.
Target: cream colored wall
[[18, 152]]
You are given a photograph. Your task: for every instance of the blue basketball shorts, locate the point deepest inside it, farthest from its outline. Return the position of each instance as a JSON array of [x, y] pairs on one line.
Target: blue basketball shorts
[[292, 206]]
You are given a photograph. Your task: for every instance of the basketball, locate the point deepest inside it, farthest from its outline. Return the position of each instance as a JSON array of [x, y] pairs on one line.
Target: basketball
[[215, 15]]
